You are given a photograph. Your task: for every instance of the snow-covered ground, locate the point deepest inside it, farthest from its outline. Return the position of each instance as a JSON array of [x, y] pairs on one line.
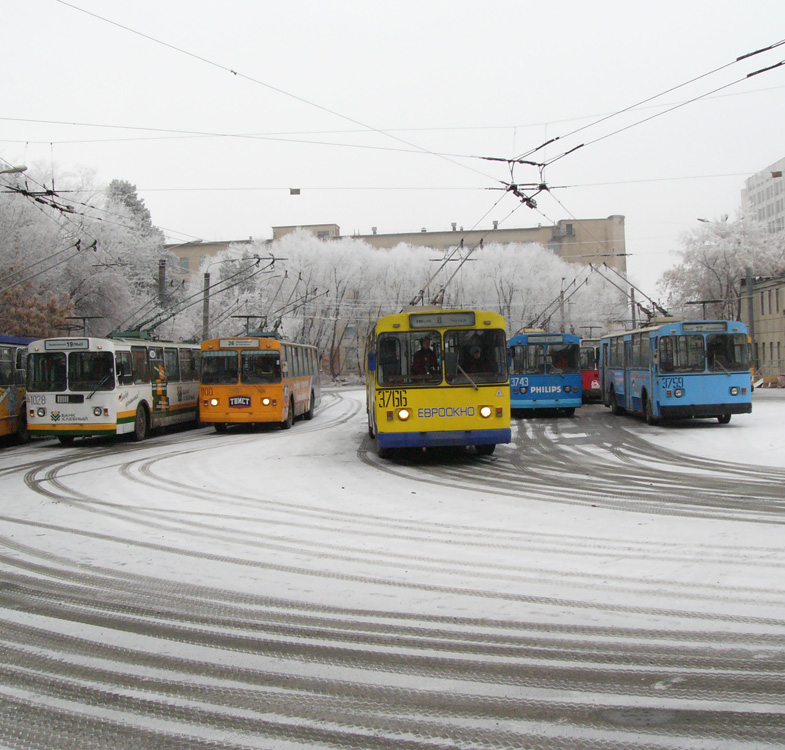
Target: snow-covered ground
[[301, 559]]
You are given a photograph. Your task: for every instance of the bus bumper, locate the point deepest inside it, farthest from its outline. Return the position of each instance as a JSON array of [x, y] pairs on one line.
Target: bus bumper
[[703, 410], [446, 438], [546, 403]]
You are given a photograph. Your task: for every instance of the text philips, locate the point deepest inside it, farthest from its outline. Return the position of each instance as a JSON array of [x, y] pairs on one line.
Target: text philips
[[445, 411], [545, 389]]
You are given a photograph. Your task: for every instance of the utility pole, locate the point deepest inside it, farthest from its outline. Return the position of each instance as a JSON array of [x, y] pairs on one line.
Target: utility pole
[[206, 308], [751, 316], [162, 283]]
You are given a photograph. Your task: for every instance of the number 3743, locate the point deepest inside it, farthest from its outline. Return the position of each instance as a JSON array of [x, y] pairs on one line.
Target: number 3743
[[392, 398]]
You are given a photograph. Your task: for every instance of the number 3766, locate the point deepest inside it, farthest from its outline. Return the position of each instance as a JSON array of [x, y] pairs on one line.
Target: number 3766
[[392, 398]]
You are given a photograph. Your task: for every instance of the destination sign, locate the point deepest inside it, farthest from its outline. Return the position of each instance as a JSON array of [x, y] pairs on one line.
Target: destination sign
[[238, 343], [719, 326], [545, 338], [59, 345], [441, 319]]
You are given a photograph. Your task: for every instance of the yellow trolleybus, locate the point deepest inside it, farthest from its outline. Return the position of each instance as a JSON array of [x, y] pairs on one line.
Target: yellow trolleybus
[[82, 386], [255, 379], [438, 378], [13, 414]]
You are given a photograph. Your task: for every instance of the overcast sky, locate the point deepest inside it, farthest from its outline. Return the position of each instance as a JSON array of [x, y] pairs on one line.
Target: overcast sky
[[376, 111]]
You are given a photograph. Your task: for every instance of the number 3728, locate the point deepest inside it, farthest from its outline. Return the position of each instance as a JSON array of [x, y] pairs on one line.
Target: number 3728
[[392, 398]]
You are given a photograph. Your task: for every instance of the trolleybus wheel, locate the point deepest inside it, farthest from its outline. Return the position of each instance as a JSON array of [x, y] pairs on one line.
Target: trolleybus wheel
[[22, 435], [570, 412], [66, 439], [615, 408], [382, 452], [371, 433], [723, 418], [648, 410], [309, 414], [485, 450], [220, 427], [140, 424], [289, 421]]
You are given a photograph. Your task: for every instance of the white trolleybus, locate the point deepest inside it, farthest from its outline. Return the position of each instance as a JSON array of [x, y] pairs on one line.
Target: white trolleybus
[[81, 386]]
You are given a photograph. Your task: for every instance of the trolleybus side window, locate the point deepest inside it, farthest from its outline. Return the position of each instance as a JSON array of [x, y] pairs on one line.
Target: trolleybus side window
[[140, 367], [261, 367], [6, 365], [188, 362], [125, 375], [684, 353], [171, 365]]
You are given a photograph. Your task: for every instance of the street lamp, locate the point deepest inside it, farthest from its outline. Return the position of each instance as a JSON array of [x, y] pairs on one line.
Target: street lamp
[[14, 170]]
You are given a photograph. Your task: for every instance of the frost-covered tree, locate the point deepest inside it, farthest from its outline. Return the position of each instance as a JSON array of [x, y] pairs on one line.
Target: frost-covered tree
[[87, 254], [330, 293], [715, 257]]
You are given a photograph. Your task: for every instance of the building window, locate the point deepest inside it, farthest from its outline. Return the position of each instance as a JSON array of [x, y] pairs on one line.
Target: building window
[[184, 265], [323, 235], [570, 230]]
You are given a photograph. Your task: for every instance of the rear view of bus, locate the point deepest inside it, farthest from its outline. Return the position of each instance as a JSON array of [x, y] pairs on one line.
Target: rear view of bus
[[82, 386], [545, 373], [257, 380], [438, 378]]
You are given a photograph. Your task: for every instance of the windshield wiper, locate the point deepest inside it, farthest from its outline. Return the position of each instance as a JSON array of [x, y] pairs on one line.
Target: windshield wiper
[[103, 380], [468, 378]]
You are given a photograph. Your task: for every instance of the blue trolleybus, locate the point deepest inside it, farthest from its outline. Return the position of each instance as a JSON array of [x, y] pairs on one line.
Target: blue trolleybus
[[678, 370], [545, 372]]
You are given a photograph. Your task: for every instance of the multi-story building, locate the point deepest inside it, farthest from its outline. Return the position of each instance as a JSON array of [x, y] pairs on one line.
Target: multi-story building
[[767, 326], [574, 240], [763, 197]]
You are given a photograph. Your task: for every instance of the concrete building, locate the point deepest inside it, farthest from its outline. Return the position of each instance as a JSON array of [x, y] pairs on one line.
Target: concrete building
[[574, 240], [763, 197], [767, 326]]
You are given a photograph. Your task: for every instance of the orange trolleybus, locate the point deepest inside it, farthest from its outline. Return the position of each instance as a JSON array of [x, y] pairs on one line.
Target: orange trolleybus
[[255, 379]]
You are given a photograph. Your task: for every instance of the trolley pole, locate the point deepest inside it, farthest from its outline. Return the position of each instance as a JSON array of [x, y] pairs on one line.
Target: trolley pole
[[206, 308]]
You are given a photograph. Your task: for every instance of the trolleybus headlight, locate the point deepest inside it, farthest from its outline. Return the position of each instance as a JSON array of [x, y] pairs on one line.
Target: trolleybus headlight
[[679, 392], [266, 401], [97, 411], [213, 402], [41, 411], [734, 391], [567, 388], [486, 411], [404, 414], [524, 389]]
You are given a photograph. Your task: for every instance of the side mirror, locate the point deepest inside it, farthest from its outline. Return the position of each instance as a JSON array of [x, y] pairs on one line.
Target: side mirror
[[20, 377], [371, 361]]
